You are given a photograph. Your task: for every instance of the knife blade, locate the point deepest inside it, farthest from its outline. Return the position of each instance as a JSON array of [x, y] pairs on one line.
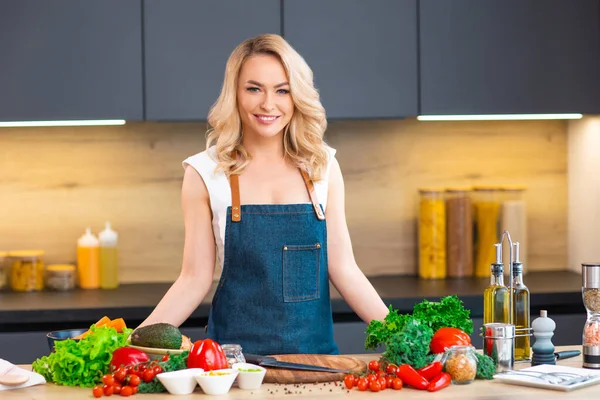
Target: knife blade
[[266, 361]]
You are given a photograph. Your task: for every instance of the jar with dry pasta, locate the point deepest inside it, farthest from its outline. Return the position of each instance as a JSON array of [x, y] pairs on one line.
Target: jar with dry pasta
[[432, 234], [26, 270], [486, 205], [461, 364]]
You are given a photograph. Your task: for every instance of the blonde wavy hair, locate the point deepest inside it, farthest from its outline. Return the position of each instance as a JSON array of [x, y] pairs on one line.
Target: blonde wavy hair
[[303, 136]]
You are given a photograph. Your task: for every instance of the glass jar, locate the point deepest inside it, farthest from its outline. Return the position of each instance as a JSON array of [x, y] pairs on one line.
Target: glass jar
[[234, 354], [432, 234], [486, 208], [3, 270], [459, 240], [60, 277], [26, 270], [461, 363]]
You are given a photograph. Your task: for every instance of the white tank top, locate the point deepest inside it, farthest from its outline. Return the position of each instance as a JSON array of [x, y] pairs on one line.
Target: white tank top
[[220, 192]]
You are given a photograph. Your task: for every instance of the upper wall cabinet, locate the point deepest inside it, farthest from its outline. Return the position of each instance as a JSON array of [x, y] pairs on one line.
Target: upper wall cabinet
[[363, 54], [187, 43], [70, 59], [509, 56]]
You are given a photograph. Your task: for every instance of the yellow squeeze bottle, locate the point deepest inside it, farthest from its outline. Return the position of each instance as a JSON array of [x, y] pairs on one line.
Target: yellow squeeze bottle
[[109, 273], [88, 260]]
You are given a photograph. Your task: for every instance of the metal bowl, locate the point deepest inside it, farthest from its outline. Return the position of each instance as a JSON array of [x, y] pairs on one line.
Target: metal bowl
[[63, 335]]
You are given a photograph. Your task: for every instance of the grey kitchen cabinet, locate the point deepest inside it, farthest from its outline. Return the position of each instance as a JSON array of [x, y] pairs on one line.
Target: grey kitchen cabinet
[[186, 46], [68, 59], [363, 54], [509, 56]]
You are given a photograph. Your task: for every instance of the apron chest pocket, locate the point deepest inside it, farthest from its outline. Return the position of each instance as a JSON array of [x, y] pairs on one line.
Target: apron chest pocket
[[301, 272]]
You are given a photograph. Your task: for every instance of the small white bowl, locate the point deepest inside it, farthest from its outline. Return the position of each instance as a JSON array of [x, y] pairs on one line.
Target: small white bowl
[[212, 382], [180, 382], [249, 380]]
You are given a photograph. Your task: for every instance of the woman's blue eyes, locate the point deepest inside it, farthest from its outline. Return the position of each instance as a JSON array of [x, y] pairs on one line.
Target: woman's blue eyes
[[256, 90]]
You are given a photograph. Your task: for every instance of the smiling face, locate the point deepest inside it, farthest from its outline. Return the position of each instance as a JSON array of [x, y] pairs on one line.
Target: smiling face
[[263, 96]]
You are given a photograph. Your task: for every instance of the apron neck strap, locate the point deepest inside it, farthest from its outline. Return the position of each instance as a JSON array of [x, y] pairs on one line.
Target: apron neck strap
[[236, 209]]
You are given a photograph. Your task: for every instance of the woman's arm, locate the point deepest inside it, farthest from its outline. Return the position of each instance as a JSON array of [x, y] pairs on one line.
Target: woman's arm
[[198, 266], [345, 275]]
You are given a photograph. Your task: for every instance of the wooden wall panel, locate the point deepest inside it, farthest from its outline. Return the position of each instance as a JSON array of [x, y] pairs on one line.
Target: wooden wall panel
[[56, 181]]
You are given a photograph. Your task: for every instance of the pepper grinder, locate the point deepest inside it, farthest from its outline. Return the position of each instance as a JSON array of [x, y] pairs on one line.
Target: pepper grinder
[[543, 349]]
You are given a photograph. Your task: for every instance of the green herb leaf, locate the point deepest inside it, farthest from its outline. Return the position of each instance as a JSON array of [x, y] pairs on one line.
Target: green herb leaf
[[486, 368], [449, 312], [174, 363], [410, 346]]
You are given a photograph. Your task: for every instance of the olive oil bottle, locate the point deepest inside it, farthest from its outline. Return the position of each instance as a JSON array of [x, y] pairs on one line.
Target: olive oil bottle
[[521, 314], [495, 296]]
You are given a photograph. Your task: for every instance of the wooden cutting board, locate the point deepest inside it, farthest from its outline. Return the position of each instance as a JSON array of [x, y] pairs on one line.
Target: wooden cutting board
[[285, 376]]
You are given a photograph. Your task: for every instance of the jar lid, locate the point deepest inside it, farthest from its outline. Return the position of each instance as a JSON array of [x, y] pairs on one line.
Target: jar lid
[[486, 188], [26, 253], [431, 190], [61, 267], [459, 189], [497, 330], [514, 188]]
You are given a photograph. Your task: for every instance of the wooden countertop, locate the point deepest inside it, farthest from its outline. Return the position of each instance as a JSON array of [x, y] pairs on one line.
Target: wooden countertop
[[476, 390]]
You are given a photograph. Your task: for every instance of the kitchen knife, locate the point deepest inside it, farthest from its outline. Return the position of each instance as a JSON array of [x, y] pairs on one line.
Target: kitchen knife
[[561, 355], [265, 361]]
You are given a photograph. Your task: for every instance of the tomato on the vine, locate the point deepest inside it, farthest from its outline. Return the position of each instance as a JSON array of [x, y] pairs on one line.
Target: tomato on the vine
[[391, 369], [397, 384], [375, 386], [349, 381], [126, 391], [134, 380], [374, 365], [98, 391], [363, 384]]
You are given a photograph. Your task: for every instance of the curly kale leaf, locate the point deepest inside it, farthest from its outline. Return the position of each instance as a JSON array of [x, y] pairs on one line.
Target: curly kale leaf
[[448, 312], [410, 345], [486, 368], [379, 332]]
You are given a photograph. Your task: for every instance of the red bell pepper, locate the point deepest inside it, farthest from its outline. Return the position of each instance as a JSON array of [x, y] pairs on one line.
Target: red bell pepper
[[442, 380], [127, 356], [448, 337], [208, 355], [411, 377], [431, 371]]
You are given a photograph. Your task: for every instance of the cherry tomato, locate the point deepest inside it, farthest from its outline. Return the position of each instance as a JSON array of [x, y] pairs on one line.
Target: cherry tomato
[[148, 376], [363, 384], [397, 384], [134, 389], [98, 391], [349, 381], [372, 378], [126, 391], [157, 369], [117, 388], [391, 369], [108, 390], [382, 382], [375, 386], [389, 381], [120, 374], [108, 380], [356, 378], [134, 380], [374, 365], [165, 358]]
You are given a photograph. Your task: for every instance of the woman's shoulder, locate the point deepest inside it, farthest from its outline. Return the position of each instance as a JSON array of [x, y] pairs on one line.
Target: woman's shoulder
[[207, 157]]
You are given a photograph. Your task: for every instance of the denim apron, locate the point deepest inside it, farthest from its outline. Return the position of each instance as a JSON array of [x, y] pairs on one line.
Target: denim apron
[[273, 295]]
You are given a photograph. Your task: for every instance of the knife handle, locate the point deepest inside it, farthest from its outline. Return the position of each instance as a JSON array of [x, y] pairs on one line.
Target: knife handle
[[561, 355], [253, 358]]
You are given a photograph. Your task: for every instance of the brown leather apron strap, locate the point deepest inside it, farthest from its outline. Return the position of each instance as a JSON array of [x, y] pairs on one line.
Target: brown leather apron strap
[[313, 195], [236, 209]]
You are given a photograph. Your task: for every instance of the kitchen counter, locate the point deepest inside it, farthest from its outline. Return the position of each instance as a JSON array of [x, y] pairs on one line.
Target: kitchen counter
[[557, 291], [476, 390]]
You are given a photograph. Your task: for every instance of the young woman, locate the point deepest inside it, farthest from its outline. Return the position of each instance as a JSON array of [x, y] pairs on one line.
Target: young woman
[[269, 193]]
